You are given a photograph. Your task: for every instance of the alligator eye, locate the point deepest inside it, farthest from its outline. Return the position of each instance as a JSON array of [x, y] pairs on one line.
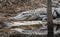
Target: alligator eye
[[23, 13]]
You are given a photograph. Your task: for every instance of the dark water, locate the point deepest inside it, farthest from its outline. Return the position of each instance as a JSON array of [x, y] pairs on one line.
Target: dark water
[[24, 35]]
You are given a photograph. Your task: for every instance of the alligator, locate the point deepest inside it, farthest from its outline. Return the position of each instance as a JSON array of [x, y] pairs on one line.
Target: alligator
[[36, 14]]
